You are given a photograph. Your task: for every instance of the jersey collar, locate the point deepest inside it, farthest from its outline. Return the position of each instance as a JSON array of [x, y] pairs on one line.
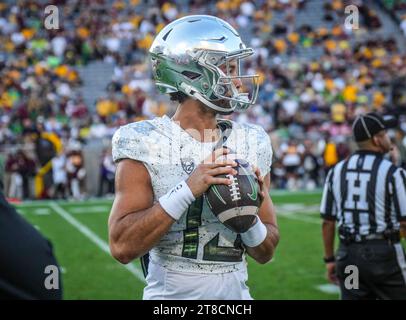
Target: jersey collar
[[378, 154]]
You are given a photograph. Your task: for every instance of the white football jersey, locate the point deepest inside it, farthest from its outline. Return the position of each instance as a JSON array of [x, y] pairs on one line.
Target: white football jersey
[[198, 241]]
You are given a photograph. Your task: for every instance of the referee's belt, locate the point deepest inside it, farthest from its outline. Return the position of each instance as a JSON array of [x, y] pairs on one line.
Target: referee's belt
[[391, 236]]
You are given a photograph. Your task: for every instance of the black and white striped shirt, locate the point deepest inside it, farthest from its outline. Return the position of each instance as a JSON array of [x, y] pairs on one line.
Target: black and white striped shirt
[[366, 194]]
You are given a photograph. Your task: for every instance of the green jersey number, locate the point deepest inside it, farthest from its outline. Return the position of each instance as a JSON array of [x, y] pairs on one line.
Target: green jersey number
[[211, 251]]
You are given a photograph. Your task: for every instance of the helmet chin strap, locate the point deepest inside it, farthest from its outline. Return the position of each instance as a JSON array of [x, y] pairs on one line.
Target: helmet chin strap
[[244, 103], [194, 93]]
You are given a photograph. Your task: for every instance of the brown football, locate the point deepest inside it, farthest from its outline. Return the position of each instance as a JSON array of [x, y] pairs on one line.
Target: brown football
[[236, 205]]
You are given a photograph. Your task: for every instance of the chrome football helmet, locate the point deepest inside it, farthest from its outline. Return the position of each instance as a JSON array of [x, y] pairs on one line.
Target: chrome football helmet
[[200, 56]]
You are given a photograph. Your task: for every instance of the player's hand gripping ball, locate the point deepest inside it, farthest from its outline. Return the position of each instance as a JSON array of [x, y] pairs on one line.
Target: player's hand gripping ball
[[236, 205]]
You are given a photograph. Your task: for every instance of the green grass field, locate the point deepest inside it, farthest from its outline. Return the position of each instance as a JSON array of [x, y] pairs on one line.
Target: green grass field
[[78, 231]]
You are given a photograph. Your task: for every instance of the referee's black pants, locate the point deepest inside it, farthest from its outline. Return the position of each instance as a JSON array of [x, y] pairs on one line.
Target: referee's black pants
[[381, 270]]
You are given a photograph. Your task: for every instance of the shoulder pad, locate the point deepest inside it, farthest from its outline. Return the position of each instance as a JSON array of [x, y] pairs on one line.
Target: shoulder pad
[[134, 141]]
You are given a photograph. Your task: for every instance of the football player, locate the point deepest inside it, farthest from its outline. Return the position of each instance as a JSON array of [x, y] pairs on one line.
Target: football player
[[166, 164]]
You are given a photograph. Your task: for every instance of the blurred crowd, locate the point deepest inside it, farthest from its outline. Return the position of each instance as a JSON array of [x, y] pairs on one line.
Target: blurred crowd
[[315, 78]]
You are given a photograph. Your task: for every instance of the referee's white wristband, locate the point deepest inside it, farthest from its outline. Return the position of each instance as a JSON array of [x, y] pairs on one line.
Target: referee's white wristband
[[177, 200], [255, 235]]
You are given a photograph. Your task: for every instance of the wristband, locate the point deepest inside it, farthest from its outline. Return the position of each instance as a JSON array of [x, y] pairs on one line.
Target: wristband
[[329, 259], [177, 200], [255, 235]]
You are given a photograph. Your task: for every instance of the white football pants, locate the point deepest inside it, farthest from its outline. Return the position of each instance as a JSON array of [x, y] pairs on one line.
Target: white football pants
[[164, 284]]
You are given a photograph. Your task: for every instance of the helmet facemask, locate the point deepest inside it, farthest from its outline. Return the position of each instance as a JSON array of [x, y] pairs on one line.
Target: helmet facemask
[[222, 78]]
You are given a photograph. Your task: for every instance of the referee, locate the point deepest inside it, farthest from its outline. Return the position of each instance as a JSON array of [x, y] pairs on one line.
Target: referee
[[366, 195]]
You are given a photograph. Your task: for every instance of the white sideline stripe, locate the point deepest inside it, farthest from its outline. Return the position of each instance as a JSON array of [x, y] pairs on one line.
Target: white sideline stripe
[[276, 192], [401, 259], [44, 203], [93, 209], [21, 211], [92, 236], [298, 218], [298, 212], [299, 207], [328, 288], [42, 211], [282, 192]]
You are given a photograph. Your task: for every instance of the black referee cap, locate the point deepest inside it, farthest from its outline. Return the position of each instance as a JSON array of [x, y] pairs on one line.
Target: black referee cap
[[367, 125]]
